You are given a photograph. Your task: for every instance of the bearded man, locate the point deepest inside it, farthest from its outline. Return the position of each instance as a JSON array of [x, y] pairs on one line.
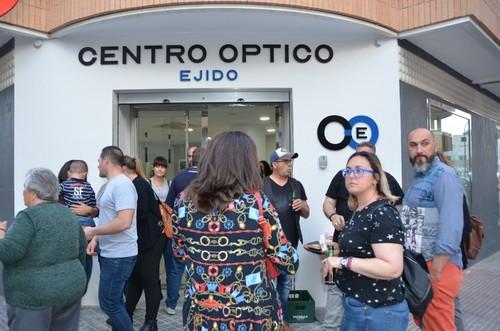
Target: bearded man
[[432, 217]]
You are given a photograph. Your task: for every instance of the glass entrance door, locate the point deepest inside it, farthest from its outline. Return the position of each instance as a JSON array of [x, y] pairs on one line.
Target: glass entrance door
[[168, 130], [167, 133]]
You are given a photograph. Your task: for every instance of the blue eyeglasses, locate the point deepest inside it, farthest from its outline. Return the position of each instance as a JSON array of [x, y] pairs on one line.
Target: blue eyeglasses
[[356, 172]]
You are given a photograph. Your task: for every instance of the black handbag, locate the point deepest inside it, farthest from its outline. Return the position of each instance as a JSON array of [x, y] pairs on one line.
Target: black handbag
[[418, 289]]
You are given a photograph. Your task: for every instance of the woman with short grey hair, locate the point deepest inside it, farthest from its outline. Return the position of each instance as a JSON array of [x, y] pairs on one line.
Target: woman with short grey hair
[[41, 182], [43, 252]]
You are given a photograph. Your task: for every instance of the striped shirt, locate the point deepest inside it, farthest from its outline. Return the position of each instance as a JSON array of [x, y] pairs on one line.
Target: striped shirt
[[74, 191]]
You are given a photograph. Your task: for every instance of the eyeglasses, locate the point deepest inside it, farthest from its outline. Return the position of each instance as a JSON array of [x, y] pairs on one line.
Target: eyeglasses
[[356, 172]]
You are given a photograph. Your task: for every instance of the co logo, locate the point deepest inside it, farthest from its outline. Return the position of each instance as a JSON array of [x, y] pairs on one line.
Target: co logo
[[360, 132]]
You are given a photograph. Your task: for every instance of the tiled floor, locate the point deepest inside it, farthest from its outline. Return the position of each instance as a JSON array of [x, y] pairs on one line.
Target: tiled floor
[[93, 319], [480, 296]]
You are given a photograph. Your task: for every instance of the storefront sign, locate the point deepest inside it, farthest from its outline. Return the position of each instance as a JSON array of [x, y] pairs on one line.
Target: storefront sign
[[6, 6], [359, 134], [196, 54]]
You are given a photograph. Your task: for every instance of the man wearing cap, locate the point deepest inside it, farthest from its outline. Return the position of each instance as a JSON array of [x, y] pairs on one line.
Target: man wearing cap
[[289, 198]]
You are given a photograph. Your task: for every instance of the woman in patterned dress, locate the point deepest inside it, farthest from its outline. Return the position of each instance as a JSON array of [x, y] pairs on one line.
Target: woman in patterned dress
[[371, 252], [220, 224]]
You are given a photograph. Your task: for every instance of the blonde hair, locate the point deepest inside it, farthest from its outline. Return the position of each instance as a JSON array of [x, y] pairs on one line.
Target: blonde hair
[[382, 186]]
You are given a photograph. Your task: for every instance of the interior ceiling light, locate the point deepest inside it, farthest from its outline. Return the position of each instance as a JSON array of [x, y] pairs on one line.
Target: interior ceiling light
[[264, 118], [271, 130], [239, 104], [189, 129]]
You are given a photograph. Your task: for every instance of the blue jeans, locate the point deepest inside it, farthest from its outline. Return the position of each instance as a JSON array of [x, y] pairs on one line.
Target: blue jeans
[[362, 317], [87, 221], [175, 270], [284, 285], [114, 275]]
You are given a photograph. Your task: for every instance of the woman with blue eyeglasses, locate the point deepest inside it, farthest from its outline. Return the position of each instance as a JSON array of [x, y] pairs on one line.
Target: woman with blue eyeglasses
[[370, 263]]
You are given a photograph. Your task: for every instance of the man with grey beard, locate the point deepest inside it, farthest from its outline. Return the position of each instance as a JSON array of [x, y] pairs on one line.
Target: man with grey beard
[[432, 217]]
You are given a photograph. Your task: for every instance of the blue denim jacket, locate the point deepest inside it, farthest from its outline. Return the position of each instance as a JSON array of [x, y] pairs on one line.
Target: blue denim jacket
[[432, 213]]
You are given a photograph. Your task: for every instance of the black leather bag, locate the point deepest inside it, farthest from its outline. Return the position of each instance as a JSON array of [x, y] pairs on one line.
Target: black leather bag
[[418, 289]]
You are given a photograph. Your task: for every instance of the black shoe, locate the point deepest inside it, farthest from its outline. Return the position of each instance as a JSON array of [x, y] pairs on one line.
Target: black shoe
[[108, 322], [149, 325]]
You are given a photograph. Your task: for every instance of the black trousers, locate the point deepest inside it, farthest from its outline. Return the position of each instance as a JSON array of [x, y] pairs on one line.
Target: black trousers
[[146, 277]]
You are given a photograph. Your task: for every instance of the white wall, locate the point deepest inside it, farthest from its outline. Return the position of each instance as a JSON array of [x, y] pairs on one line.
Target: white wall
[[64, 110]]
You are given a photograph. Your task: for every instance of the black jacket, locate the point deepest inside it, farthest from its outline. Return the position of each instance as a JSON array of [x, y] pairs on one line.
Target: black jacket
[[148, 215]]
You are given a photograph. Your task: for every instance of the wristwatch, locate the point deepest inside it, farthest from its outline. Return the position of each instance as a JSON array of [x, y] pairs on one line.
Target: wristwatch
[[346, 262]]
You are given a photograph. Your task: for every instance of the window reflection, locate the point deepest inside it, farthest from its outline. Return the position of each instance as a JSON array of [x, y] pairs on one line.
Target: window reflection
[[451, 130]]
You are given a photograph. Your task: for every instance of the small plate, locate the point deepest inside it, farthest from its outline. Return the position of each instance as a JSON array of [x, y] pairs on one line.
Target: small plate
[[313, 247]]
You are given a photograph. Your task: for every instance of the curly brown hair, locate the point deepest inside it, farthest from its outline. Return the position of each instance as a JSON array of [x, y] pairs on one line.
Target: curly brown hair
[[228, 168]]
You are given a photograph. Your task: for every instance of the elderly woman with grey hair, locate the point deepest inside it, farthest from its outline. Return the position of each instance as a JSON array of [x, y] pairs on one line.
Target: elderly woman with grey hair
[[43, 252]]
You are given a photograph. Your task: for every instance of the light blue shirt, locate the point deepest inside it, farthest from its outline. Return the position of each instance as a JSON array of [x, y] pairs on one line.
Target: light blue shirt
[[119, 194], [432, 213]]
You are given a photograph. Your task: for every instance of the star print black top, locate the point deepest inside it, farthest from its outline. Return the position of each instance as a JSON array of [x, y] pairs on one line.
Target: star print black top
[[377, 223]]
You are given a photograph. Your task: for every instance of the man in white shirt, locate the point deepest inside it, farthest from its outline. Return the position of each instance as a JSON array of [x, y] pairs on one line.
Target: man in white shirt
[[117, 237]]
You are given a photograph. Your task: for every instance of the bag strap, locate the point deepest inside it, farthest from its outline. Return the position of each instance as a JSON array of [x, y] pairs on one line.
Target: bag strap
[[157, 197], [263, 222], [259, 203], [376, 205]]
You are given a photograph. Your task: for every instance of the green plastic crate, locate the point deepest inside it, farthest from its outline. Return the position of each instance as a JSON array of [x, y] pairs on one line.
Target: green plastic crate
[[300, 307]]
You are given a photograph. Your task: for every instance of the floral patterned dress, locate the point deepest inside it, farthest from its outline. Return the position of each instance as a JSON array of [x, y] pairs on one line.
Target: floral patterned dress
[[228, 286]]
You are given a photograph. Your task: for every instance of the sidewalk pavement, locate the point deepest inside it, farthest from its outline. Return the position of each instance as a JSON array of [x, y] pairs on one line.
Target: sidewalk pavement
[[480, 292]]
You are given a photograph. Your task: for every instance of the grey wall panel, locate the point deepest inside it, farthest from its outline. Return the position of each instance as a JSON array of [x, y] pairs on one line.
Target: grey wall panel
[[484, 160], [413, 115], [484, 185], [7, 160], [7, 153]]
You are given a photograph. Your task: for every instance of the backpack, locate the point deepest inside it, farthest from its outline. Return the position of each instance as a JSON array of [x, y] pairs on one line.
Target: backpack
[[474, 241]]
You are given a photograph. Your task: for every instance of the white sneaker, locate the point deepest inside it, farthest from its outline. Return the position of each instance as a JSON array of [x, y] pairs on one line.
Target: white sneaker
[[169, 311]]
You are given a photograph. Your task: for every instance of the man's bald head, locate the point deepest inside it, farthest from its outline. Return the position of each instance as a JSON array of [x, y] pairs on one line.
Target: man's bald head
[[420, 133]]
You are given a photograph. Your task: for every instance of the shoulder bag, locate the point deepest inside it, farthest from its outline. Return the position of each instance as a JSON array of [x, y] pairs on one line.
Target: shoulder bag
[[166, 218], [418, 289], [272, 270]]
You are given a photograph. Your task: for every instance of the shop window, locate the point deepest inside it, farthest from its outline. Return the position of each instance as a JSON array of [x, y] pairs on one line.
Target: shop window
[[451, 130]]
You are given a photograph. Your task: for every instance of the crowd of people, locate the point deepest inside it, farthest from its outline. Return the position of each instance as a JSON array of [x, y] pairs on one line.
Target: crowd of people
[[236, 225]]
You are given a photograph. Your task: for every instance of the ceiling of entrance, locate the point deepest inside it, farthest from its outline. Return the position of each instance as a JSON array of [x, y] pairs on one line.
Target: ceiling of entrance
[[227, 19]]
